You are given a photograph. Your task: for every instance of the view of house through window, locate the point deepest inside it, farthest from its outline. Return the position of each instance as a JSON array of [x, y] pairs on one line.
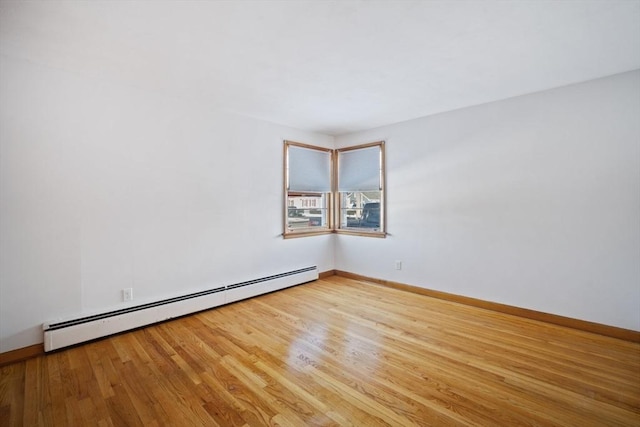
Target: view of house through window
[[306, 210], [329, 191]]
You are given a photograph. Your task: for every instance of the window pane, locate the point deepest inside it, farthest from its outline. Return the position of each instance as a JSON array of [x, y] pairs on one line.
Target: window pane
[[306, 211], [308, 169], [360, 210], [359, 170]]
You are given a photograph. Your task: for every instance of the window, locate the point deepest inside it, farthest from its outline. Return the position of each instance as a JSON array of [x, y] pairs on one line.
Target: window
[[308, 185], [330, 191], [360, 189]]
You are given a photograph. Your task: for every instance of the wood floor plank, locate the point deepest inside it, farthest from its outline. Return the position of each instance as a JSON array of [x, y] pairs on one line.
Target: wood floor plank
[[55, 412], [33, 376], [335, 352]]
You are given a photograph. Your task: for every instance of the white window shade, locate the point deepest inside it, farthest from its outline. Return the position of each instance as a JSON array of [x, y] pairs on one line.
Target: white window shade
[[309, 169], [359, 170]]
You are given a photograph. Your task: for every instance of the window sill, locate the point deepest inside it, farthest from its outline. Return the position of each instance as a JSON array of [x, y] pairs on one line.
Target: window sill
[[296, 234], [378, 234]]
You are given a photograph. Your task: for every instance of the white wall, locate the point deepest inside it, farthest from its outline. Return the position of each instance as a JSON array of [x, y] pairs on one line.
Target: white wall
[[532, 201], [104, 187]]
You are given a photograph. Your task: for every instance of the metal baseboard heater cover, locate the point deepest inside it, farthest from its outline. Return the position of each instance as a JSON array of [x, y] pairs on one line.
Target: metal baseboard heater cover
[[65, 333]]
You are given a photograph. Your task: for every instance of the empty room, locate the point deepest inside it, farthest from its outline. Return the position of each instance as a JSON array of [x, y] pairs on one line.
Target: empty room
[[320, 213]]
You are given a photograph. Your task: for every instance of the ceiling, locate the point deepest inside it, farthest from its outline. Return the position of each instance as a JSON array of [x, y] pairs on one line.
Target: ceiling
[[329, 66]]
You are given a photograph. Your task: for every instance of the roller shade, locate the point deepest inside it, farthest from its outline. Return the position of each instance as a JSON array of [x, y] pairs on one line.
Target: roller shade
[[360, 169], [308, 169]]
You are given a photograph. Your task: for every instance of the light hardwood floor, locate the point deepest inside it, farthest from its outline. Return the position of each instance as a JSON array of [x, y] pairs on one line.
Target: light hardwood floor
[[333, 352]]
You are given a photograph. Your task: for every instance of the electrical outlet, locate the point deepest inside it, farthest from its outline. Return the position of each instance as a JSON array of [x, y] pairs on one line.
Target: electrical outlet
[[127, 294], [398, 265]]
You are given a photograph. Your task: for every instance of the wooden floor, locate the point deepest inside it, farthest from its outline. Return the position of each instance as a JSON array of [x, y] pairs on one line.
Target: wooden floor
[[333, 352]]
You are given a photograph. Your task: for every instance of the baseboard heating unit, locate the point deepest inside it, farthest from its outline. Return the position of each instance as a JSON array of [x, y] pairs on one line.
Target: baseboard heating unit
[[69, 332]]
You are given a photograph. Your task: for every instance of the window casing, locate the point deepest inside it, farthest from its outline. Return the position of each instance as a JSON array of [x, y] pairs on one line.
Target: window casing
[[308, 179], [360, 190], [334, 191]]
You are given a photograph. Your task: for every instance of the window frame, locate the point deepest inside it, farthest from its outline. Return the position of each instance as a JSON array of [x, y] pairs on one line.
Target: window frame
[[290, 232], [333, 197], [337, 194]]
